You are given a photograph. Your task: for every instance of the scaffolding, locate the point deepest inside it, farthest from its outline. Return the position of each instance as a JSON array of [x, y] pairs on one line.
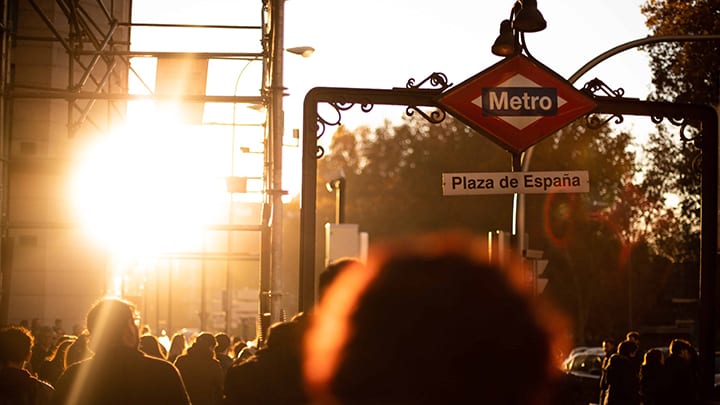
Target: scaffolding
[[94, 39]]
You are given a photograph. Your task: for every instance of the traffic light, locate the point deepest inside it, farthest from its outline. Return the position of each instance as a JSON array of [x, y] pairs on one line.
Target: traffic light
[[537, 268]]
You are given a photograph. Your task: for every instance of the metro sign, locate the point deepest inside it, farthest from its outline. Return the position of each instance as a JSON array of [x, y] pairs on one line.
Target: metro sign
[[517, 101]]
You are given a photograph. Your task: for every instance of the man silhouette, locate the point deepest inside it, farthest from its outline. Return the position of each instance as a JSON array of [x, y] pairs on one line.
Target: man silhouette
[[118, 373], [17, 385]]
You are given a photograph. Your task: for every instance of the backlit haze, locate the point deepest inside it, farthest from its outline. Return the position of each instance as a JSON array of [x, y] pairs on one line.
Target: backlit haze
[[169, 176]]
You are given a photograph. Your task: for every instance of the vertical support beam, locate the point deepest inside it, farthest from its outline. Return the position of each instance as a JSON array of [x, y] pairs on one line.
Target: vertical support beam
[[9, 12], [276, 144], [6, 250], [708, 252], [516, 238], [308, 203], [346, 97]]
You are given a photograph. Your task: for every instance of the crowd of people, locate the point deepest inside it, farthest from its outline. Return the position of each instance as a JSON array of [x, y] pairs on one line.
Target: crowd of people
[[631, 376], [365, 342]]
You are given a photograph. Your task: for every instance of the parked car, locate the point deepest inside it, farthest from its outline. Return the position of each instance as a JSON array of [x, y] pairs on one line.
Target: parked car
[[582, 369]]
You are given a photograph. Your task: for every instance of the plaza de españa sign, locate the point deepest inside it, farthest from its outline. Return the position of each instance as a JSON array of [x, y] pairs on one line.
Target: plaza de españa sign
[[517, 101]]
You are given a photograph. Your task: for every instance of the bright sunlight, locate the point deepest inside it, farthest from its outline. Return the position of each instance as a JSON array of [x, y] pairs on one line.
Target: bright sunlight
[[144, 190]]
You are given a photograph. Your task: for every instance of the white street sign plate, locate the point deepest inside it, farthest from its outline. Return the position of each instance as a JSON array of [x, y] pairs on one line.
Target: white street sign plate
[[515, 182]]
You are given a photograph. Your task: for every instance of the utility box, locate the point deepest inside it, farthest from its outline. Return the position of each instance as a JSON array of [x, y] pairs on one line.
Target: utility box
[[345, 240]]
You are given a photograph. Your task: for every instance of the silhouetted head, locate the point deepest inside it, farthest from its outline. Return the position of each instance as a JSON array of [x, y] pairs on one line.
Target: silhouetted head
[[150, 345], [608, 347], [15, 345], [112, 322], [680, 347], [627, 348], [368, 341], [178, 344], [205, 343], [223, 342], [285, 336], [653, 357], [633, 336], [78, 350]]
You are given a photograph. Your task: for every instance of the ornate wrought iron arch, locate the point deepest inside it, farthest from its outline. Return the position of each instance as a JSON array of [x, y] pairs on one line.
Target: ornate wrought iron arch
[[613, 104]]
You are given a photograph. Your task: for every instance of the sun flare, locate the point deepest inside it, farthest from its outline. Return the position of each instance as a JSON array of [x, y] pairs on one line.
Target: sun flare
[[149, 190]]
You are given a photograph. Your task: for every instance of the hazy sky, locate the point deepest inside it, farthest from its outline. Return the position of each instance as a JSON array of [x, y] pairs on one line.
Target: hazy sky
[[383, 43]]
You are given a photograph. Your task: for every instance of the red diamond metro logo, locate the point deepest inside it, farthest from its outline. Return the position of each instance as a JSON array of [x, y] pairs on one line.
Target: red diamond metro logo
[[517, 101]]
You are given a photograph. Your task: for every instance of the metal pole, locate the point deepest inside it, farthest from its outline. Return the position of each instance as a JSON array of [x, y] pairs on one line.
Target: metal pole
[[340, 200], [516, 238], [276, 137]]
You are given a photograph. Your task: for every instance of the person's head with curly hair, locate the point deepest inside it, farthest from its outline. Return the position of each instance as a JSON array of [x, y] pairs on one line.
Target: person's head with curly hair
[[369, 339]]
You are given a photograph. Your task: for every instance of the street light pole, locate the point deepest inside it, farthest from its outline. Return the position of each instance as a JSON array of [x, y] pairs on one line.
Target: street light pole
[[275, 145]]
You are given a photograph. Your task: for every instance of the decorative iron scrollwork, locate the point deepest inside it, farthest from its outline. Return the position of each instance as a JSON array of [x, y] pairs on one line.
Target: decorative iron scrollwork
[[594, 121], [338, 106], [437, 80], [595, 85], [436, 116], [687, 132]]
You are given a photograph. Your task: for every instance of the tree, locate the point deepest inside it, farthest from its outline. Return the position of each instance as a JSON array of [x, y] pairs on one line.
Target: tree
[[588, 264], [393, 177], [687, 71], [682, 72], [393, 187]]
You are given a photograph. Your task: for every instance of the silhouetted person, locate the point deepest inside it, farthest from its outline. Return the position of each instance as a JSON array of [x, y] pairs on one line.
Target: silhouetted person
[[277, 364], [150, 345], [634, 336], [221, 351], [44, 338], [178, 345], [609, 349], [653, 380], [51, 369], [201, 372], [682, 387], [622, 377], [17, 385], [35, 325], [58, 327], [118, 373], [367, 343], [78, 350]]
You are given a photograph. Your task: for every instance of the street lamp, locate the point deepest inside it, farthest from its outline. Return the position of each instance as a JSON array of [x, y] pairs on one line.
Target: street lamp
[[303, 51], [238, 185], [524, 17], [338, 186], [529, 19], [708, 263]]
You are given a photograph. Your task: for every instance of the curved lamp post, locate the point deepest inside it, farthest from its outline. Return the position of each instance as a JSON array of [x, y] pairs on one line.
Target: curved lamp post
[[707, 278]]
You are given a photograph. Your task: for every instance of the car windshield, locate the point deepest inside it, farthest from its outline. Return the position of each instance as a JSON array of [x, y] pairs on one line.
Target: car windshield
[[587, 363]]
